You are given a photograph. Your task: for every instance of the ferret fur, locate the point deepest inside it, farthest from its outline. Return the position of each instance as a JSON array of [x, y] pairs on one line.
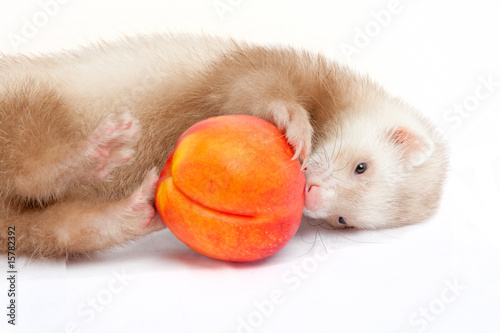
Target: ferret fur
[[83, 136]]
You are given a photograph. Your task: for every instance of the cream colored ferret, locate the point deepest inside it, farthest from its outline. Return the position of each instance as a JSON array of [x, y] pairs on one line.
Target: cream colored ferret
[[84, 134]]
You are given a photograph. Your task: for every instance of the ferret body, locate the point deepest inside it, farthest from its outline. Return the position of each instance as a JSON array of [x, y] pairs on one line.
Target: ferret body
[[84, 134]]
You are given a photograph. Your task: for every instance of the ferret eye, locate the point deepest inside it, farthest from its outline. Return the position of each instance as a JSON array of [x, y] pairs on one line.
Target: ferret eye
[[360, 168], [341, 220]]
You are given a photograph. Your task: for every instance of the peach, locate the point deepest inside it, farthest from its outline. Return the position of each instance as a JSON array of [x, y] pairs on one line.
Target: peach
[[230, 189]]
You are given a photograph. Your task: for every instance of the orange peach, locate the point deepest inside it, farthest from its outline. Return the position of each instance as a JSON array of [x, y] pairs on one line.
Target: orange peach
[[230, 189]]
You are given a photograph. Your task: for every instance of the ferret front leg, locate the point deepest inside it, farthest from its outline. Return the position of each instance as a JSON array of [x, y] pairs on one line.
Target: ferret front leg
[[263, 94], [294, 121], [75, 228]]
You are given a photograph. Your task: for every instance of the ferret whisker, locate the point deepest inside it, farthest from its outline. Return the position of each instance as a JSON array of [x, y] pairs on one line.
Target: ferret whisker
[[330, 92], [355, 194], [339, 179], [318, 234], [324, 154], [330, 156], [313, 243], [317, 101], [345, 166], [355, 241], [385, 234], [326, 226], [335, 151], [274, 139]]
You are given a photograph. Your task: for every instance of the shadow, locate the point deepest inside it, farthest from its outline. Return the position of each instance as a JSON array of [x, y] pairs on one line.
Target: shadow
[[160, 247], [194, 259], [313, 233], [163, 246]]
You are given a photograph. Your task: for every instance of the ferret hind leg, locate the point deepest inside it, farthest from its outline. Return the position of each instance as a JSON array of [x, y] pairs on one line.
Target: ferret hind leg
[[69, 229], [49, 149]]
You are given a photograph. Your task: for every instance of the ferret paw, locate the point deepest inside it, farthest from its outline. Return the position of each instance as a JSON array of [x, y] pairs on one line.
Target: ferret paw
[[294, 122], [111, 145], [138, 211], [299, 135]]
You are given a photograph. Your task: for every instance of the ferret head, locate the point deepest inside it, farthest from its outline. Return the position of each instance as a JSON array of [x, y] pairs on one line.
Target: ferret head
[[381, 165]]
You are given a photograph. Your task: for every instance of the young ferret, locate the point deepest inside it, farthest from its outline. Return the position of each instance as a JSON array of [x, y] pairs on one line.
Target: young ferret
[[84, 134]]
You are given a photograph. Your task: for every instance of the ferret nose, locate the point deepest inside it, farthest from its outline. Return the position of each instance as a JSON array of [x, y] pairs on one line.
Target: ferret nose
[[313, 198]]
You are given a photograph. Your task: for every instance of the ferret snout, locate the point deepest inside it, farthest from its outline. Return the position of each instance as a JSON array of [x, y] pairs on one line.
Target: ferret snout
[[313, 198], [315, 191]]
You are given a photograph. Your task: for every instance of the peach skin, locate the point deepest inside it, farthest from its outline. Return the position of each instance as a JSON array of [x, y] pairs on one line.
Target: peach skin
[[230, 189]]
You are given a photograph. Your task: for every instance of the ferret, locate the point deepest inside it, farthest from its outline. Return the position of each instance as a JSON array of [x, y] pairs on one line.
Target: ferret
[[84, 134]]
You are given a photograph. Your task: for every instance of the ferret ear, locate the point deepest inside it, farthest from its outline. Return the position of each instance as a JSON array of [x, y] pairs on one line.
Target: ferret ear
[[416, 148]]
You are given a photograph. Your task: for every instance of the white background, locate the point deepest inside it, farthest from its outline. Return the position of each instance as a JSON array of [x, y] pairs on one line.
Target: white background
[[442, 275]]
